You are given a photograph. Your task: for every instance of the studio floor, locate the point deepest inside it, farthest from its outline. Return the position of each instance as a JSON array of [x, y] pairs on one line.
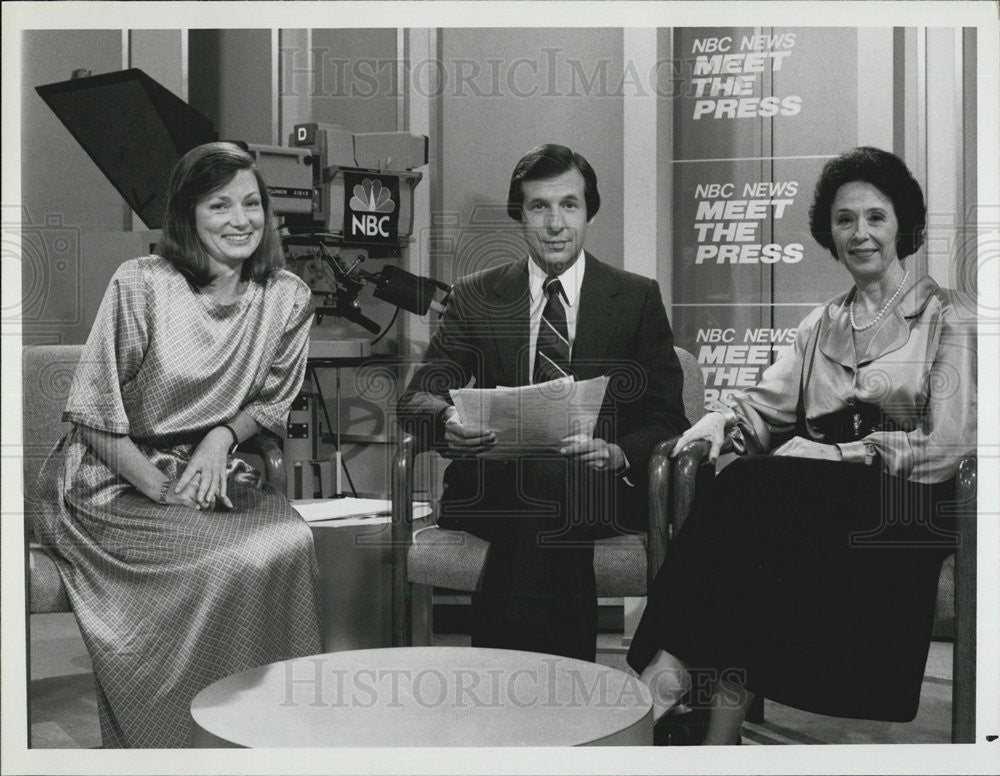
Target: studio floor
[[64, 708]]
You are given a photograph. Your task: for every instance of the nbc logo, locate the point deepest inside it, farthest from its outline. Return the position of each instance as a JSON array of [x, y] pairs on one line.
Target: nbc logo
[[370, 196], [370, 199]]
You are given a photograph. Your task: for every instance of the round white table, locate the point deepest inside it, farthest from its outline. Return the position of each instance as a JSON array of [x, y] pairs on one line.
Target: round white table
[[425, 696]]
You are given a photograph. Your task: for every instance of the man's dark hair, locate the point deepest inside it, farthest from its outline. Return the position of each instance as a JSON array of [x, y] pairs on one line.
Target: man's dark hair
[[886, 172], [548, 161]]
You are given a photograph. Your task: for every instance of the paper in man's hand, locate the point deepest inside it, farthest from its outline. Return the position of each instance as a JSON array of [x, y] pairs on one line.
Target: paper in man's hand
[[532, 418]]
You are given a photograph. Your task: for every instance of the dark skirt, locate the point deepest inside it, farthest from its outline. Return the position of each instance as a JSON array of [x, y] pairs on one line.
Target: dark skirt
[[810, 582]]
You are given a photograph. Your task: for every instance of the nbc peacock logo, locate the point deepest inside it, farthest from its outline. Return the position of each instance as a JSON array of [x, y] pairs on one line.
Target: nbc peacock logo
[[370, 196], [371, 207]]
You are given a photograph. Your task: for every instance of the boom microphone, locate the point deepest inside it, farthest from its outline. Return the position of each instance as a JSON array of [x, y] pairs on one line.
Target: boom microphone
[[406, 290]]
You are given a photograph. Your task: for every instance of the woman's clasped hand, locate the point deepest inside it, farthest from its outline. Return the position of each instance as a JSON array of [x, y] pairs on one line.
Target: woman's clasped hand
[[203, 483]]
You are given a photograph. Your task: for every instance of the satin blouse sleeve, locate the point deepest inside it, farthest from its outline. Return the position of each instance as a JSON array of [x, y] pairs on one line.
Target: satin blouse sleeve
[[945, 428], [113, 354], [285, 375], [757, 416]]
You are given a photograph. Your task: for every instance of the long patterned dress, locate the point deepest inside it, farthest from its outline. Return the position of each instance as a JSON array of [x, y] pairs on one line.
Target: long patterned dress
[[170, 599]]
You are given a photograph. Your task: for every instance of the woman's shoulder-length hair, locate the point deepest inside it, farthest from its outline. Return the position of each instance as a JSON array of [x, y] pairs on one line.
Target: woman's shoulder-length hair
[[200, 172], [886, 172]]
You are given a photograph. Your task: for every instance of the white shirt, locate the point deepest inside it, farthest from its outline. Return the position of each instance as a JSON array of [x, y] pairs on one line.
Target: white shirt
[[571, 280]]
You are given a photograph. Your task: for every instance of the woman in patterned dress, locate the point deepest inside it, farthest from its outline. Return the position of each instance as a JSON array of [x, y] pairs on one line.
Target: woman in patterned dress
[[809, 575], [179, 569]]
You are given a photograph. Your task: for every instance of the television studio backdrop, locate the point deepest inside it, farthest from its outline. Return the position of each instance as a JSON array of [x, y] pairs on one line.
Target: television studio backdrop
[[706, 142]]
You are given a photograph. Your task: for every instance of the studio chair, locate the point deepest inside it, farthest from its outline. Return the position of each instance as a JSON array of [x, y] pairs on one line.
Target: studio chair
[[427, 557], [956, 598]]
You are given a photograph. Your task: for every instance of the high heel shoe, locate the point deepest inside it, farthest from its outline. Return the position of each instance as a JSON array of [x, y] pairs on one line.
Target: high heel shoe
[[668, 681]]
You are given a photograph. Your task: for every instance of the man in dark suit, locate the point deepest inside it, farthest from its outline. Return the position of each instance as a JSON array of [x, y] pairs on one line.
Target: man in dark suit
[[556, 310]]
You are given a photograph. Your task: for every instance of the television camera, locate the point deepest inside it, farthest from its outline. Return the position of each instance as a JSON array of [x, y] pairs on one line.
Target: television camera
[[342, 198]]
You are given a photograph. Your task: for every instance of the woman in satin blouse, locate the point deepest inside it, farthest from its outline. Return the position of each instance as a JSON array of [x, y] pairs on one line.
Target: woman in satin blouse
[[809, 575]]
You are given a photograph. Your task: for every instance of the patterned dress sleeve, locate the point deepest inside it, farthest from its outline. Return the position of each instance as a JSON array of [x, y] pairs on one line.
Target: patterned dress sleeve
[[112, 355], [284, 377]]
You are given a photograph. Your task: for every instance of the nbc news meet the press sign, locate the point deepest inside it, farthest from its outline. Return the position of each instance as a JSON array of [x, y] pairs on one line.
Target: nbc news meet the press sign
[[371, 210]]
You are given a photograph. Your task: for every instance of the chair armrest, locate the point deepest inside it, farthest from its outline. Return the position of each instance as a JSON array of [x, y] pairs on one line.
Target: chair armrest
[[671, 492], [401, 491], [268, 448], [686, 466], [658, 533], [963, 710]]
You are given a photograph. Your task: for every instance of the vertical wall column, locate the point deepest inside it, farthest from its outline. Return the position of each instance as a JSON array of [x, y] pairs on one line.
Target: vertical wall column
[[931, 121], [974, 214], [910, 112], [944, 143], [666, 85], [296, 79], [639, 103], [420, 115]]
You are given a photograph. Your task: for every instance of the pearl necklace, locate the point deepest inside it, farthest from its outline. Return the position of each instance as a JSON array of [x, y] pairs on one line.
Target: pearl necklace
[[880, 313]]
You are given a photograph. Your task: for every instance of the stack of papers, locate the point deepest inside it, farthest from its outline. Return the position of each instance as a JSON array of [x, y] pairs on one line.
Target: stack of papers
[[532, 418], [314, 510]]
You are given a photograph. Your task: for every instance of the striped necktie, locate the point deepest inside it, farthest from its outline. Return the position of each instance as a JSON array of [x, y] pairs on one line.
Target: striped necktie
[[552, 348]]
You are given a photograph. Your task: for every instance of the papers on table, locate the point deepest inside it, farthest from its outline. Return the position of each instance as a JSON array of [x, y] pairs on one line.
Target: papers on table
[[315, 510], [532, 418]]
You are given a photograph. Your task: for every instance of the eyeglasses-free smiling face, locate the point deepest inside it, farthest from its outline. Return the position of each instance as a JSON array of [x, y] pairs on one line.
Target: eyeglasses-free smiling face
[[230, 220], [865, 228], [555, 222]]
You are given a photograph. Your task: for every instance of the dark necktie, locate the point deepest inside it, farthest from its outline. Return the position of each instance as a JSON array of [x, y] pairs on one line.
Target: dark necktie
[[552, 348]]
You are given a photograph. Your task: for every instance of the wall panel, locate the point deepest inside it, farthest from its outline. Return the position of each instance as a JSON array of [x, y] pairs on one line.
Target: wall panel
[[503, 92]]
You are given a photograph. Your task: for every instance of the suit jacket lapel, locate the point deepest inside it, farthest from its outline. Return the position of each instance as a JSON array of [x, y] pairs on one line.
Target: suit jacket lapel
[[508, 313], [600, 307]]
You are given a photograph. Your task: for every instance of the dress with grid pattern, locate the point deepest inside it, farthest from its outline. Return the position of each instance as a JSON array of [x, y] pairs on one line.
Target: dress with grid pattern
[[170, 599]]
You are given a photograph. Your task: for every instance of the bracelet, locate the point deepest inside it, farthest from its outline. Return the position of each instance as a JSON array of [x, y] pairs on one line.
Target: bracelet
[[164, 489], [727, 412], [236, 439]]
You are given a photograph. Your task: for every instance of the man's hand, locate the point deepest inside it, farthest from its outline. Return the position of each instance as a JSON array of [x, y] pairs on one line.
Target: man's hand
[[206, 470], [463, 441], [799, 447], [599, 454]]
